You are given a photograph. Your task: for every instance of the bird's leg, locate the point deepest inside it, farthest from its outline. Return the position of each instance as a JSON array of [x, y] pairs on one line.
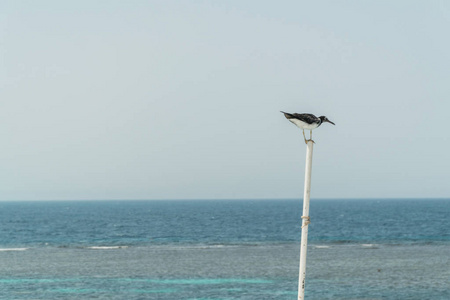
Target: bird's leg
[[310, 136], [306, 142]]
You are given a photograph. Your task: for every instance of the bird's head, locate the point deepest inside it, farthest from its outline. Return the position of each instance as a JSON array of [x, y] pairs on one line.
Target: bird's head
[[325, 119]]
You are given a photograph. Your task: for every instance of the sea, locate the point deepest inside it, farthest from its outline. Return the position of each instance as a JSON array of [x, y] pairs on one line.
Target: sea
[[224, 249]]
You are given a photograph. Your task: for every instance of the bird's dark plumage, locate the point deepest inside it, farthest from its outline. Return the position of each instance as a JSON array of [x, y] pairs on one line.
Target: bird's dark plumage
[[307, 118]]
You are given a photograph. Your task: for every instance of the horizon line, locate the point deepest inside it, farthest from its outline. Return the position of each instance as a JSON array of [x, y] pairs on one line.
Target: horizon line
[[228, 199]]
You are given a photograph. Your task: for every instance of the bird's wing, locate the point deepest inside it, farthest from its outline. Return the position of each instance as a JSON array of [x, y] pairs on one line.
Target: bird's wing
[[308, 118]]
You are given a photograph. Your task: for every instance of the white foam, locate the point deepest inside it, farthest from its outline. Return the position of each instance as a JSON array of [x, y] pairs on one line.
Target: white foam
[[194, 247], [369, 245], [107, 247], [13, 249], [216, 246], [322, 247]]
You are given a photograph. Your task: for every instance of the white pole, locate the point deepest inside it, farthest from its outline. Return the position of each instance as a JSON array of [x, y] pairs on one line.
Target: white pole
[[306, 221]]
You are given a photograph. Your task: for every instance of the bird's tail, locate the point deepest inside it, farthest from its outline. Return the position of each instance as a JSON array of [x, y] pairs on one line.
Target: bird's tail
[[287, 115]]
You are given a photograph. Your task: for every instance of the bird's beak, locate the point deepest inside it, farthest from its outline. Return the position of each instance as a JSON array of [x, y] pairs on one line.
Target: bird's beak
[[330, 122]]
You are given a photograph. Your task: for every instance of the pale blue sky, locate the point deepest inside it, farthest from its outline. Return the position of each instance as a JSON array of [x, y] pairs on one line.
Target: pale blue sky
[[181, 99]]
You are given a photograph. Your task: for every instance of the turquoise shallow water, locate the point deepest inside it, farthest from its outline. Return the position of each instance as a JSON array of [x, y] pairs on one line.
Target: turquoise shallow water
[[359, 249]]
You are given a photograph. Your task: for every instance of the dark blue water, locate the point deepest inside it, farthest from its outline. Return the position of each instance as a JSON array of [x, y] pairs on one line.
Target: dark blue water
[[358, 249]]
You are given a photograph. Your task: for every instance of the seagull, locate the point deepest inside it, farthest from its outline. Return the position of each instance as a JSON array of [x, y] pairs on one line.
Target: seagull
[[306, 121]]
